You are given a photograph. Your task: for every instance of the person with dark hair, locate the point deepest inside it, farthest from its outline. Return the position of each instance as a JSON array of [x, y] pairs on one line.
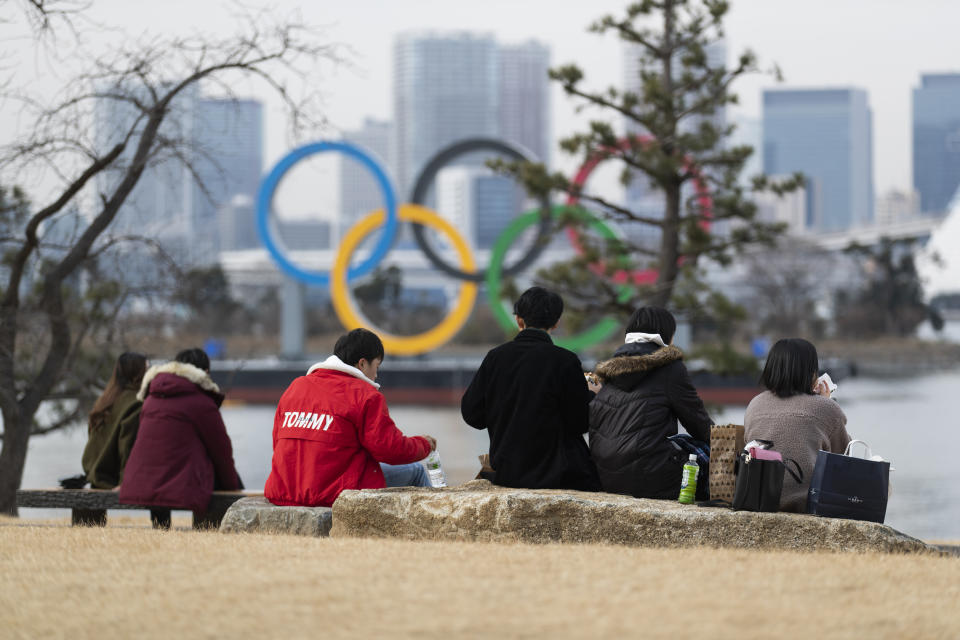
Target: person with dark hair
[[112, 423], [531, 397], [332, 431], [646, 390], [796, 414], [195, 356], [182, 453]]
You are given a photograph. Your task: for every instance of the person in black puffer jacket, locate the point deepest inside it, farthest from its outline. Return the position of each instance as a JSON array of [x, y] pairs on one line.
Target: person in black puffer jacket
[[646, 389]]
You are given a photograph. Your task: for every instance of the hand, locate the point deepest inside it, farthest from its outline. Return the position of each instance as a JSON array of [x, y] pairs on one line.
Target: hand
[[432, 441], [821, 389], [593, 382]]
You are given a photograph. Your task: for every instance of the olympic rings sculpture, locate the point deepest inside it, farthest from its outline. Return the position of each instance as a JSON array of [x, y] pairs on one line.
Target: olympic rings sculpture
[[389, 217]]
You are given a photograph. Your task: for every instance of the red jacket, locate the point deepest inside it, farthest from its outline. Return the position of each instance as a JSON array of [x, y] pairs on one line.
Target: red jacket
[[182, 452], [331, 430]]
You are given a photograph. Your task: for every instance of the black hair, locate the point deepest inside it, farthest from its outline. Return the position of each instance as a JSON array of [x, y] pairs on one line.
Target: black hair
[[791, 367], [653, 320], [359, 344], [196, 356], [539, 308]]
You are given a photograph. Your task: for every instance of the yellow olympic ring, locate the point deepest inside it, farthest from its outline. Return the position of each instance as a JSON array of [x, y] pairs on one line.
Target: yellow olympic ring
[[351, 318]]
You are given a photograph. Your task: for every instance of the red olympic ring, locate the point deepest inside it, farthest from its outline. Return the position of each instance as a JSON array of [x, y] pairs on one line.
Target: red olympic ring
[[640, 276]]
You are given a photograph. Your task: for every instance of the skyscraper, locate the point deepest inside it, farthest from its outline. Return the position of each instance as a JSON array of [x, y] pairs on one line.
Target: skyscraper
[[525, 97], [477, 201], [936, 140], [160, 204], [827, 135], [446, 88], [359, 192], [215, 154], [229, 161]]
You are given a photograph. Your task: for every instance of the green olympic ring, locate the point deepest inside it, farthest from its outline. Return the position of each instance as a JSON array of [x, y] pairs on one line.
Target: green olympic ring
[[598, 332]]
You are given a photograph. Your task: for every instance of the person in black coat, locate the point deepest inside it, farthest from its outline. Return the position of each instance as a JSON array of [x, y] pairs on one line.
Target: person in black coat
[[646, 389], [532, 398]]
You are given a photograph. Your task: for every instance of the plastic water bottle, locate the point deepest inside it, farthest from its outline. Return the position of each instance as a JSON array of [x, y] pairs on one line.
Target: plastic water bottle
[[434, 470], [688, 483]]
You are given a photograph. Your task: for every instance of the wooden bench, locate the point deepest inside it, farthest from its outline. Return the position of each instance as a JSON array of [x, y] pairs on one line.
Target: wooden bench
[[89, 506]]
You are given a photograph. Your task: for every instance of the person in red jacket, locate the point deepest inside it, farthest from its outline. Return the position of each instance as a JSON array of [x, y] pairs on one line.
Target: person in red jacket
[[332, 431], [182, 452]]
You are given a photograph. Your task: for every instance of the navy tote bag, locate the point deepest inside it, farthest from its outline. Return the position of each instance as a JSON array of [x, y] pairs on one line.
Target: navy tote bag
[[844, 486]]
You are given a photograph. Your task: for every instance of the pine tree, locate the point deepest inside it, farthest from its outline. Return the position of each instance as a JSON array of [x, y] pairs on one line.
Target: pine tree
[[677, 145]]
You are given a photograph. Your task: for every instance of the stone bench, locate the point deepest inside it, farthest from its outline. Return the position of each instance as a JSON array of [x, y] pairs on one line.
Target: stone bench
[[480, 511], [88, 507], [259, 515]]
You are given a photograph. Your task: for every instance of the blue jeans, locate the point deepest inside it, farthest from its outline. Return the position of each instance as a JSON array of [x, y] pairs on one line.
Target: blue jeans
[[405, 475]]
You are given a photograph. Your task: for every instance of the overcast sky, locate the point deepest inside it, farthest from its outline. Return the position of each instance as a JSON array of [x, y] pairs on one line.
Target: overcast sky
[[880, 45]]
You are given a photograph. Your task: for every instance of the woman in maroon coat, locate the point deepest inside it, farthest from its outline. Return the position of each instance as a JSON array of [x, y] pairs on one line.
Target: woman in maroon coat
[[182, 452]]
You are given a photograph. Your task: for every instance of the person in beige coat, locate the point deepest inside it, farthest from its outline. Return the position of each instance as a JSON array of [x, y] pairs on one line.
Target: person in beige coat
[[796, 414]]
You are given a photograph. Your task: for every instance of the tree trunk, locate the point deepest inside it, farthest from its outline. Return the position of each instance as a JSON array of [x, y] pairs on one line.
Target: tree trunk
[[13, 456], [669, 250]]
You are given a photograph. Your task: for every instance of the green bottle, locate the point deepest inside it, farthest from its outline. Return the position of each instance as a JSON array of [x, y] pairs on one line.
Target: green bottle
[[688, 483]]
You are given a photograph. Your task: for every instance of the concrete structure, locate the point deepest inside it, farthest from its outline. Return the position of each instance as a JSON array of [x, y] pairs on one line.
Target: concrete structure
[[936, 140], [826, 134]]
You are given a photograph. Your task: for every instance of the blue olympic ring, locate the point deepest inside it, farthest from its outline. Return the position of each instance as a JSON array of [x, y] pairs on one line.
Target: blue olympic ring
[[265, 199]]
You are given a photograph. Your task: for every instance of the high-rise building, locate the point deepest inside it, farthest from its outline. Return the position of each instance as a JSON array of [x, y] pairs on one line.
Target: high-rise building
[[452, 86], [525, 97], [304, 235], [478, 201], [897, 206], [789, 208], [214, 154], [160, 205], [446, 88], [229, 161], [827, 135], [936, 140], [359, 192], [237, 224]]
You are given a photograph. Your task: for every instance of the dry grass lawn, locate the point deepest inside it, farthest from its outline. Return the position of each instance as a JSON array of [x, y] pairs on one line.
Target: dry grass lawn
[[131, 582]]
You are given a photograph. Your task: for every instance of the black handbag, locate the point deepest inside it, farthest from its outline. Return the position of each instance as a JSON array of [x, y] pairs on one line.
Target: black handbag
[[760, 482], [844, 486]]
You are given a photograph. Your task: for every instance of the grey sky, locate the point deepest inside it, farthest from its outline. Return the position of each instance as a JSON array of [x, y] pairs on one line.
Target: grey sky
[[880, 45]]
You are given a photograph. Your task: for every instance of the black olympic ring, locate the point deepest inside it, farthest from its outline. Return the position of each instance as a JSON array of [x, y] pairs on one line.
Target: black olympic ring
[[430, 171]]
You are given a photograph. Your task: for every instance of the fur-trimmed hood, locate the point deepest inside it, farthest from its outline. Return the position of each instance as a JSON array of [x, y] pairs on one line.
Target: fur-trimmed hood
[[333, 363], [189, 372], [623, 365]]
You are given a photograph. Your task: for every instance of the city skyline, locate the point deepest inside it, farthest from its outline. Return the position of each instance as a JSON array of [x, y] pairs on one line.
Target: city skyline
[[886, 58]]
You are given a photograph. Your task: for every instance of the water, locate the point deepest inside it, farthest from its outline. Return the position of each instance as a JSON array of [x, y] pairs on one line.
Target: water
[[912, 422]]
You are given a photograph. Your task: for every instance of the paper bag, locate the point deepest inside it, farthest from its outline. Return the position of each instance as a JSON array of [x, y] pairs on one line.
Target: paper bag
[[726, 443]]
